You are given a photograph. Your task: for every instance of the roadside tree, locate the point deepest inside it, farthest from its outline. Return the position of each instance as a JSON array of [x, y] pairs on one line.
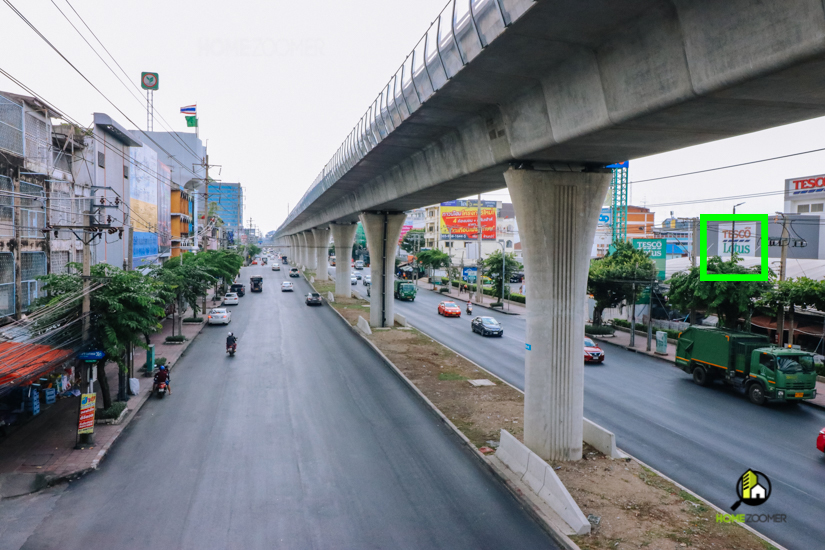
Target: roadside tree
[[611, 278], [729, 300], [493, 266]]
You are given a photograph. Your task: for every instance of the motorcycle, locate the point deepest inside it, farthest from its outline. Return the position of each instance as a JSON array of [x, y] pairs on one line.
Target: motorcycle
[[161, 390], [469, 308], [231, 349]]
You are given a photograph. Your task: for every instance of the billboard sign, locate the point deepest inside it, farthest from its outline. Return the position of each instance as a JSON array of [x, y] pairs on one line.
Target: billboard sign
[[459, 220], [469, 274], [149, 81], [656, 249], [743, 242], [605, 216], [404, 230], [798, 187]]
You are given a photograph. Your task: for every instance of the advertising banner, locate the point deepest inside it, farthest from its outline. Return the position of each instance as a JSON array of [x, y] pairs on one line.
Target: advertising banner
[[604, 216], [404, 230], [656, 248], [86, 424], [743, 242], [459, 220], [806, 185]]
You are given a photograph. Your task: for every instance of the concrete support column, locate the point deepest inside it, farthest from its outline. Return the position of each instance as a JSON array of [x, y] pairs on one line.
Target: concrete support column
[[309, 252], [383, 231], [343, 237], [557, 214], [302, 250], [292, 256], [321, 235]]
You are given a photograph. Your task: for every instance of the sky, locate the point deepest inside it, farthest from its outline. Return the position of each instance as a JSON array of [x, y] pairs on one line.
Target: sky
[[280, 84]]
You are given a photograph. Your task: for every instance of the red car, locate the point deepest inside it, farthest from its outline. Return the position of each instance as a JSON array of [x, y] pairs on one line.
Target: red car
[[449, 309], [820, 441], [592, 352]]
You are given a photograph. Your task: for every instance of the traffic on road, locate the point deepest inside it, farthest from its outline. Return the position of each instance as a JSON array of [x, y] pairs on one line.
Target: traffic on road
[[702, 437]]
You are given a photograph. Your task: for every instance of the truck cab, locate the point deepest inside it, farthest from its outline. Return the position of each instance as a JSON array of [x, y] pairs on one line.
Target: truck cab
[[747, 361], [404, 290]]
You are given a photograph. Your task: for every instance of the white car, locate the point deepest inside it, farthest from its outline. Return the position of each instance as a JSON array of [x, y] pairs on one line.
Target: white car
[[219, 316], [286, 286], [367, 280], [353, 280], [276, 267], [231, 299]]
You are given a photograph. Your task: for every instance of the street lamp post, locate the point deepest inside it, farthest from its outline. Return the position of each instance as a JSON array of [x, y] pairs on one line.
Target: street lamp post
[[733, 231], [503, 271]]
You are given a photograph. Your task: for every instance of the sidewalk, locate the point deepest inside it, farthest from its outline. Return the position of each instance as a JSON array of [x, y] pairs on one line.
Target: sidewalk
[[42, 450], [622, 339]]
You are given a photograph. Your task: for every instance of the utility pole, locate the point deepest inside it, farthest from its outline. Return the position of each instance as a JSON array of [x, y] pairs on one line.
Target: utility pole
[[780, 315], [479, 274], [694, 245], [650, 315], [206, 201], [733, 232], [633, 311]]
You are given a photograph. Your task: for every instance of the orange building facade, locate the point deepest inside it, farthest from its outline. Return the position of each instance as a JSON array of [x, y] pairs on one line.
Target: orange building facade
[[181, 220]]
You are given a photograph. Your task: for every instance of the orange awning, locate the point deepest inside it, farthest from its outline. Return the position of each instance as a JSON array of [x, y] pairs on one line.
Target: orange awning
[[22, 363]]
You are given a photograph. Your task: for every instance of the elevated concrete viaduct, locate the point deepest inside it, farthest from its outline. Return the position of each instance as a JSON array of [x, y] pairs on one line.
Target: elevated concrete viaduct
[[540, 96]]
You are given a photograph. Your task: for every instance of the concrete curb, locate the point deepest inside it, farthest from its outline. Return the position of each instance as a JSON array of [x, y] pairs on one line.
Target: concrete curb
[[126, 421], [531, 507]]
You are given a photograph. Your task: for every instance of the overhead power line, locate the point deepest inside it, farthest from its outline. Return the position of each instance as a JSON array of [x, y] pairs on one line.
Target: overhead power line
[[79, 72]]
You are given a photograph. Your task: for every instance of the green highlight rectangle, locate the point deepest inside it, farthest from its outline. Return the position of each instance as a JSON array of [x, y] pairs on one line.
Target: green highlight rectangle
[[761, 219]]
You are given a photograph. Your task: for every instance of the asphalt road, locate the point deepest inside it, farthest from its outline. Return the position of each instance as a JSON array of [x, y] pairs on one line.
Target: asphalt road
[[303, 440], [704, 438]]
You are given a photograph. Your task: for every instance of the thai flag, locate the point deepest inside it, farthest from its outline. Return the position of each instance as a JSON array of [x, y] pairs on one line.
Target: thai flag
[[189, 110]]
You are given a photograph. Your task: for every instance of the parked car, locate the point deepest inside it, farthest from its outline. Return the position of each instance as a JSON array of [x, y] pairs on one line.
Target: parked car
[[487, 326], [449, 309], [286, 286], [592, 352], [276, 267], [294, 272], [231, 299], [313, 299], [219, 316], [353, 280], [367, 280], [238, 288]]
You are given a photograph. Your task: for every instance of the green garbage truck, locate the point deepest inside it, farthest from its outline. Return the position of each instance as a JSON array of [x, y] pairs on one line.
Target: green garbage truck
[[747, 361], [404, 290]]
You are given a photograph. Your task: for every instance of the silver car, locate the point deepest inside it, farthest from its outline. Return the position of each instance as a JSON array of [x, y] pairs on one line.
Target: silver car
[[367, 280], [219, 316]]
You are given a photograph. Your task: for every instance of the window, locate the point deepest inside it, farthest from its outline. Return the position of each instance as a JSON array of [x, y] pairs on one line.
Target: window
[[803, 208], [508, 244], [816, 207], [101, 159]]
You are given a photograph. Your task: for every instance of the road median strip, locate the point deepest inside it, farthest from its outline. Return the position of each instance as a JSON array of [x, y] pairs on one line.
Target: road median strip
[[626, 503]]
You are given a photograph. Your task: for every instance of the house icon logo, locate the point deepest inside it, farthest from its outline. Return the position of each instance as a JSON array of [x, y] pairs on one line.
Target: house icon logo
[[753, 488]]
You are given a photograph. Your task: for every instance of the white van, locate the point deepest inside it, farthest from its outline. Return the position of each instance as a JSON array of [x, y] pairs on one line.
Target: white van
[[359, 264]]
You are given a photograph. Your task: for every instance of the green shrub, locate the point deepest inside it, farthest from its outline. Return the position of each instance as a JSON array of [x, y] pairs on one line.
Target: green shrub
[[112, 412], [176, 338], [497, 304], [598, 330], [520, 298], [444, 289], [820, 368], [193, 320], [160, 361]]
